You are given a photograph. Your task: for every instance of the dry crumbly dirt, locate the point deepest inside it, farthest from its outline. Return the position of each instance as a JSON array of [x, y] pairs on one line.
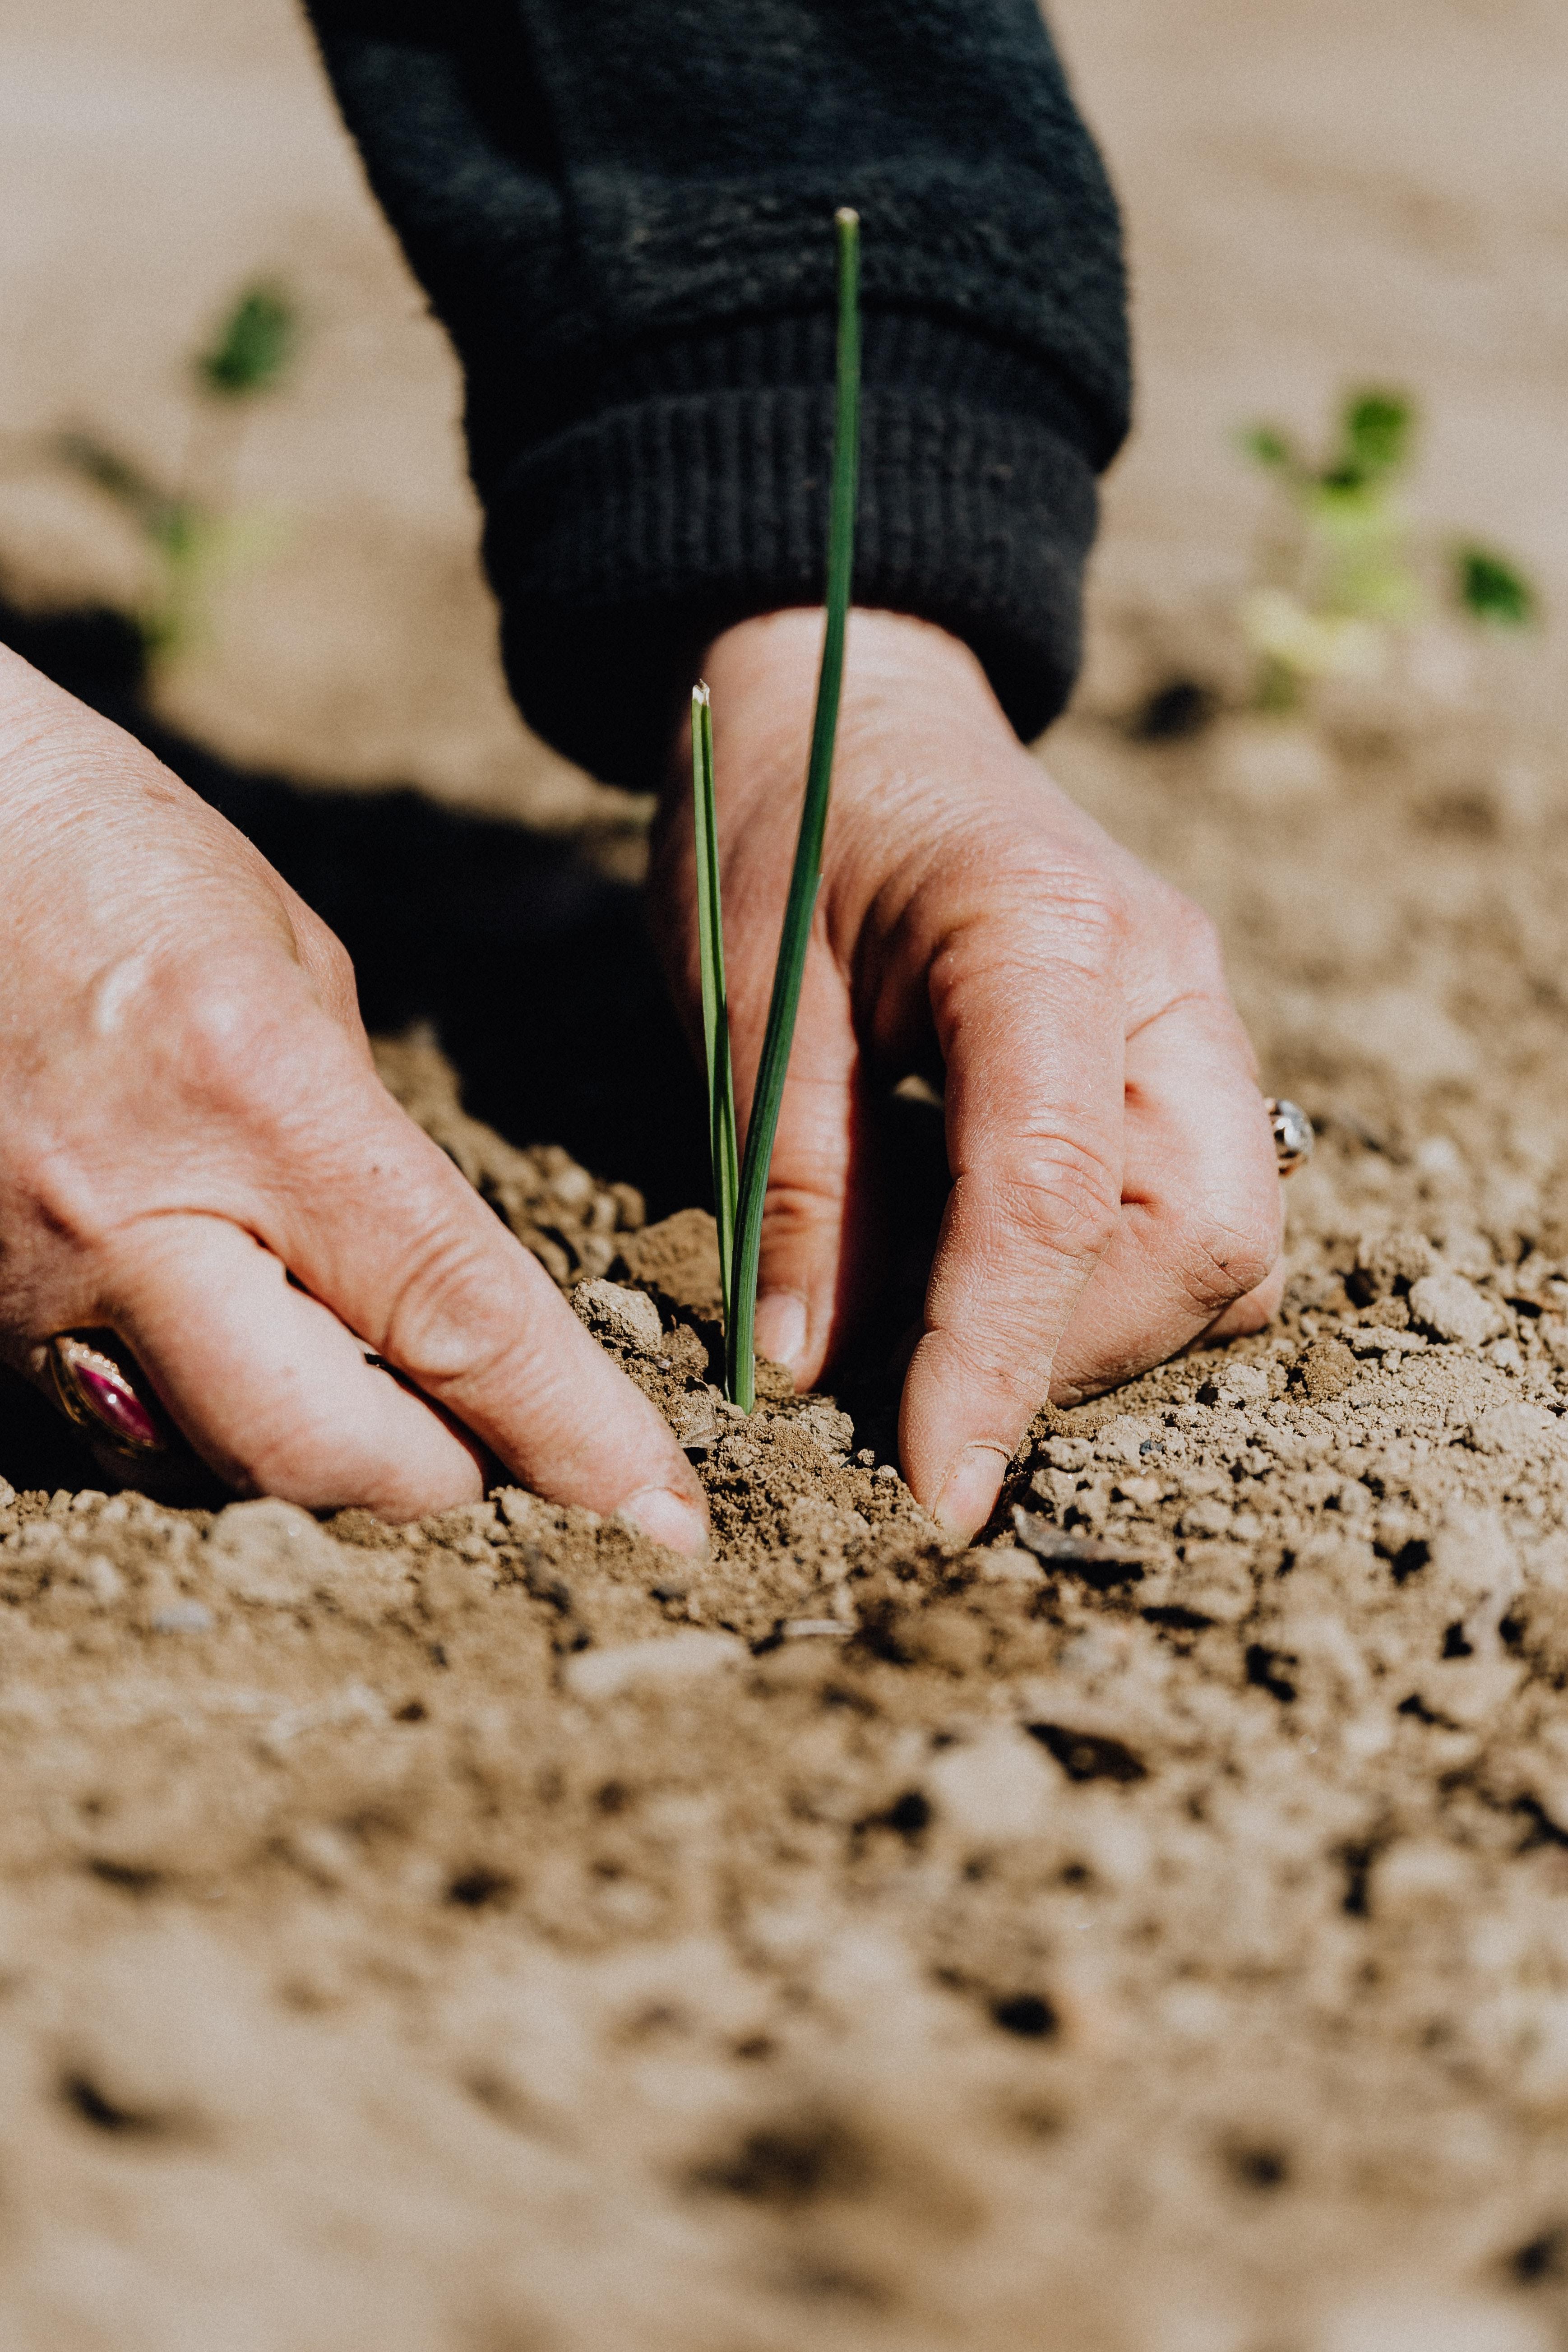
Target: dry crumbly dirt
[[1150, 1937], [1147, 1928]]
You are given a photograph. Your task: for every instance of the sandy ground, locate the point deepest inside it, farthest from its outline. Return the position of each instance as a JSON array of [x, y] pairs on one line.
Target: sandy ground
[[1144, 1932]]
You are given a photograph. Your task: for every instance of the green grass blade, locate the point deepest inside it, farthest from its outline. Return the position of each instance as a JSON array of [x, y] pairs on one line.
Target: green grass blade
[[722, 1140], [762, 1126]]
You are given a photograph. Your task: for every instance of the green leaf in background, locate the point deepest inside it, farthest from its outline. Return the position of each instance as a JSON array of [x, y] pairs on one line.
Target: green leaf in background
[[93, 461], [253, 346], [1266, 446], [1492, 590], [1376, 433]]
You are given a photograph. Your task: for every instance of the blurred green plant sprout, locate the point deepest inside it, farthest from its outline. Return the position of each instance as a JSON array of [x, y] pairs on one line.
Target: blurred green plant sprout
[[1346, 575], [190, 530], [740, 1184]]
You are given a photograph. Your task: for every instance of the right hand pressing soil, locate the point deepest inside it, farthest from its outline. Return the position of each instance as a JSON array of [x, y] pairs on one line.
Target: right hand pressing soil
[[197, 1154]]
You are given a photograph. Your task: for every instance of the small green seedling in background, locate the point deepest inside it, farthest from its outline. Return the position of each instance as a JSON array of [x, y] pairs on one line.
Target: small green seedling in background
[[190, 530], [1345, 575], [254, 345], [738, 1200]]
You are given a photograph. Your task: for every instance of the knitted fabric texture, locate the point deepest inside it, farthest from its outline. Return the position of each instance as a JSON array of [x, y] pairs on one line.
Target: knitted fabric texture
[[623, 215]]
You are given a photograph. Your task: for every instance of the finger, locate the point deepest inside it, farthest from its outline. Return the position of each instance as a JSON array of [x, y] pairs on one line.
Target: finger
[[1201, 1222], [379, 1225], [268, 1385], [1253, 1312], [818, 1221], [1033, 1049]]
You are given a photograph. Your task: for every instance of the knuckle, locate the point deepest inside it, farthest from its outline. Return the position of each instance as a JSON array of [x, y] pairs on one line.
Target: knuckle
[[238, 1045], [48, 1199], [335, 965], [449, 1321], [1226, 1253], [1062, 1196], [801, 1204], [1193, 933]]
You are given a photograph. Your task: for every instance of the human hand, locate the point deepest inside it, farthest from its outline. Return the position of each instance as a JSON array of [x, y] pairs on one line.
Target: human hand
[[197, 1154], [1114, 1187]]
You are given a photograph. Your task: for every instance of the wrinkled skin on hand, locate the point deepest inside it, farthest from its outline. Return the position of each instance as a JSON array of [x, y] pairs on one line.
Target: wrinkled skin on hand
[[1114, 1190], [192, 1118]]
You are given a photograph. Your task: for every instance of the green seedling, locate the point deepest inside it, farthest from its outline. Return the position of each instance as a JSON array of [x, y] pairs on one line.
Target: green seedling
[[190, 530], [715, 994], [254, 345], [738, 1200], [1346, 574]]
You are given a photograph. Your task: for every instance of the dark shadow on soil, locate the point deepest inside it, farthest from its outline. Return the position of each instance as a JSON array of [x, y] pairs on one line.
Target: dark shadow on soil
[[535, 969]]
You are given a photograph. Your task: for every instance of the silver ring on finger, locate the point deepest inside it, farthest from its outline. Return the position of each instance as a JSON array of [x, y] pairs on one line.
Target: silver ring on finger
[[1293, 1135]]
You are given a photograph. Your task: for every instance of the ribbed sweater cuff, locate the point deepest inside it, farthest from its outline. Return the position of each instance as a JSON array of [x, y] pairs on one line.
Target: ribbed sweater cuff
[[621, 545]]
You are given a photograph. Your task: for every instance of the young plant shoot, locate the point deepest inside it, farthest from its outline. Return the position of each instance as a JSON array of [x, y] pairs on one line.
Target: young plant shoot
[[715, 998], [1345, 574], [190, 532], [739, 1201]]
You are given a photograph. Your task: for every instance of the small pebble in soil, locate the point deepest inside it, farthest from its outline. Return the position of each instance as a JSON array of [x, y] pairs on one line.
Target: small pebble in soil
[[182, 1617]]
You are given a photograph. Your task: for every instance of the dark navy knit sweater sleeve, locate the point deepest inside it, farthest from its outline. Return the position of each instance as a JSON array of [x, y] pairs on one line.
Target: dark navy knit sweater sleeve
[[622, 210]]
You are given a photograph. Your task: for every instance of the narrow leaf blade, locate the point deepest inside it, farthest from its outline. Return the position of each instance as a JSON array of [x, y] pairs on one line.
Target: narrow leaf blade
[[722, 1142], [807, 874]]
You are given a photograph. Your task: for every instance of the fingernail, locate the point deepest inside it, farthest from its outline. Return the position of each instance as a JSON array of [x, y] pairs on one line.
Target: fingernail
[[668, 1519], [781, 1325], [970, 1489]]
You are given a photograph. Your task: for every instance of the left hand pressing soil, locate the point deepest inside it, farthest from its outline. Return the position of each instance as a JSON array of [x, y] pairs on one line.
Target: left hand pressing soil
[[1114, 1190]]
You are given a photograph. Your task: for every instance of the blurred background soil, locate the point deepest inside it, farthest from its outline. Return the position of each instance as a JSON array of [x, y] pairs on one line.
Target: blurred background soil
[[1146, 1932]]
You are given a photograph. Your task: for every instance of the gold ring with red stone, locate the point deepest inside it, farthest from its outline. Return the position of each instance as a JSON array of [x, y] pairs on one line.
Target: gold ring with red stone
[[111, 1404]]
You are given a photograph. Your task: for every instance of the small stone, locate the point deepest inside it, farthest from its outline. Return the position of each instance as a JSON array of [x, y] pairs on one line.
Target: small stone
[[1111, 1561], [99, 1575], [1143, 1491], [519, 1509], [659, 1663], [1243, 1384], [271, 1552], [1454, 1309], [827, 1427], [617, 1313], [183, 1617], [1222, 1591], [1122, 1440], [1524, 1429], [1419, 1875], [1326, 1367], [1008, 1564], [1389, 1259], [1419, 2321], [995, 1788]]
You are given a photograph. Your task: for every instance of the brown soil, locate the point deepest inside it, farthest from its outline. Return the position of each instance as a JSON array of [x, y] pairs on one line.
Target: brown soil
[[1151, 1935], [1150, 1932]]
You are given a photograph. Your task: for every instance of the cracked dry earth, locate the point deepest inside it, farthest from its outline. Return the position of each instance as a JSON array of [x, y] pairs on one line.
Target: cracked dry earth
[[1144, 1931]]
